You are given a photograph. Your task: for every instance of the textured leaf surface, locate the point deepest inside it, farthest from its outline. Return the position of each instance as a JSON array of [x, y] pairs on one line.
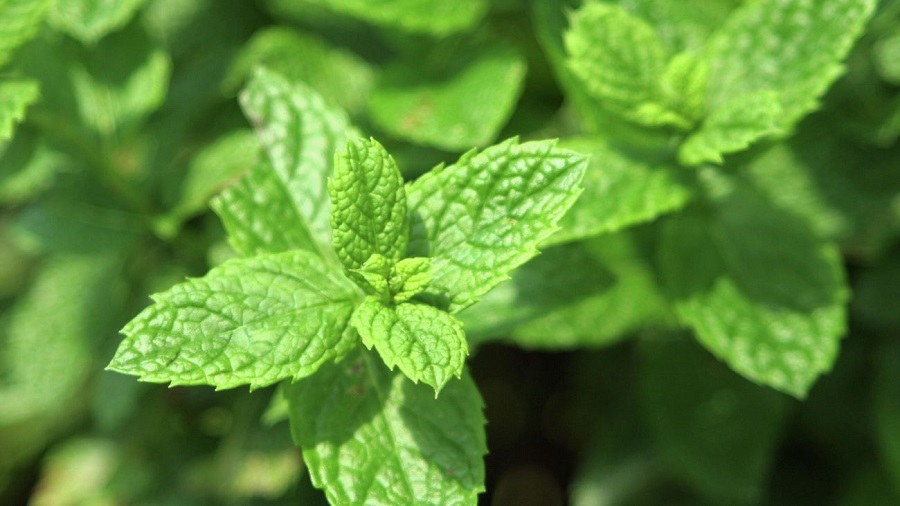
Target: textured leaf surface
[[19, 21], [684, 25], [410, 277], [759, 289], [89, 20], [484, 216], [15, 97], [370, 436], [617, 57], [620, 191], [794, 48], [434, 17], [368, 205], [341, 77], [713, 429], [300, 134], [454, 112], [732, 127], [250, 321], [426, 343]]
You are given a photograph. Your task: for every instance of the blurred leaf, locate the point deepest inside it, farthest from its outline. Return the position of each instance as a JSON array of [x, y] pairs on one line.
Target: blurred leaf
[[27, 167], [341, 77], [887, 58], [19, 21], [15, 97], [684, 25], [713, 429], [463, 107], [759, 289], [90, 20], [620, 190], [432, 17], [370, 436]]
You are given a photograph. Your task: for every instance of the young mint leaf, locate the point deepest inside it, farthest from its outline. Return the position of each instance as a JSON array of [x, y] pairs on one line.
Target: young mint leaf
[[19, 21], [684, 25], [684, 85], [410, 277], [428, 344], [618, 58], [453, 112], [300, 134], [431, 17], [620, 191], [484, 216], [340, 76], [251, 321], [713, 429], [368, 205], [759, 289], [15, 97], [732, 127], [793, 48], [375, 274], [90, 20], [370, 436]]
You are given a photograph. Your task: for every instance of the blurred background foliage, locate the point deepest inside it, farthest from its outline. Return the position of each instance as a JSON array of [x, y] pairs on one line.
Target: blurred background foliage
[[118, 121]]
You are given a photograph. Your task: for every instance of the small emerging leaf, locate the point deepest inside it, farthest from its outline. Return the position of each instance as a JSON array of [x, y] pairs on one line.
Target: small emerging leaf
[[427, 344], [409, 278]]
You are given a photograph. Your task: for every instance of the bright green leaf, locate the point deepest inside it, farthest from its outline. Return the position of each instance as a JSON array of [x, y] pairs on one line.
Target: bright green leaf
[[732, 127], [252, 321], [793, 48], [19, 21], [713, 429], [684, 85], [300, 134], [454, 112], [410, 277], [760, 291], [433, 17], [15, 97], [368, 205], [341, 77], [685, 24], [484, 216], [90, 20], [620, 190], [426, 343], [375, 273], [372, 437]]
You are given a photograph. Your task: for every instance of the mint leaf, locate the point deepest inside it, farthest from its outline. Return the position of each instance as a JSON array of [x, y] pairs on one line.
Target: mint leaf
[[454, 111], [15, 97], [431, 17], [712, 428], [375, 274], [427, 344], [252, 321], [617, 57], [790, 47], [732, 127], [684, 25], [484, 216], [409, 278], [89, 20], [620, 190], [300, 134], [341, 77], [370, 436], [19, 21], [759, 289], [368, 205]]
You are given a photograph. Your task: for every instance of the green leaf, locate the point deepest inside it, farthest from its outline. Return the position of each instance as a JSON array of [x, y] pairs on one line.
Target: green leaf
[[90, 20], [431, 17], [29, 166], [410, 277], [371, 437], [618, 58], [684, 86], [454, 111], [484, 216], [684, 25], [252, 321], [375, 274], [620, 191], [733, 126], [19, 21], [341, 77], [368, 205], [300, 134], [793, 48], [15, 97], [714, 430], [759, 289], [426, 343]]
